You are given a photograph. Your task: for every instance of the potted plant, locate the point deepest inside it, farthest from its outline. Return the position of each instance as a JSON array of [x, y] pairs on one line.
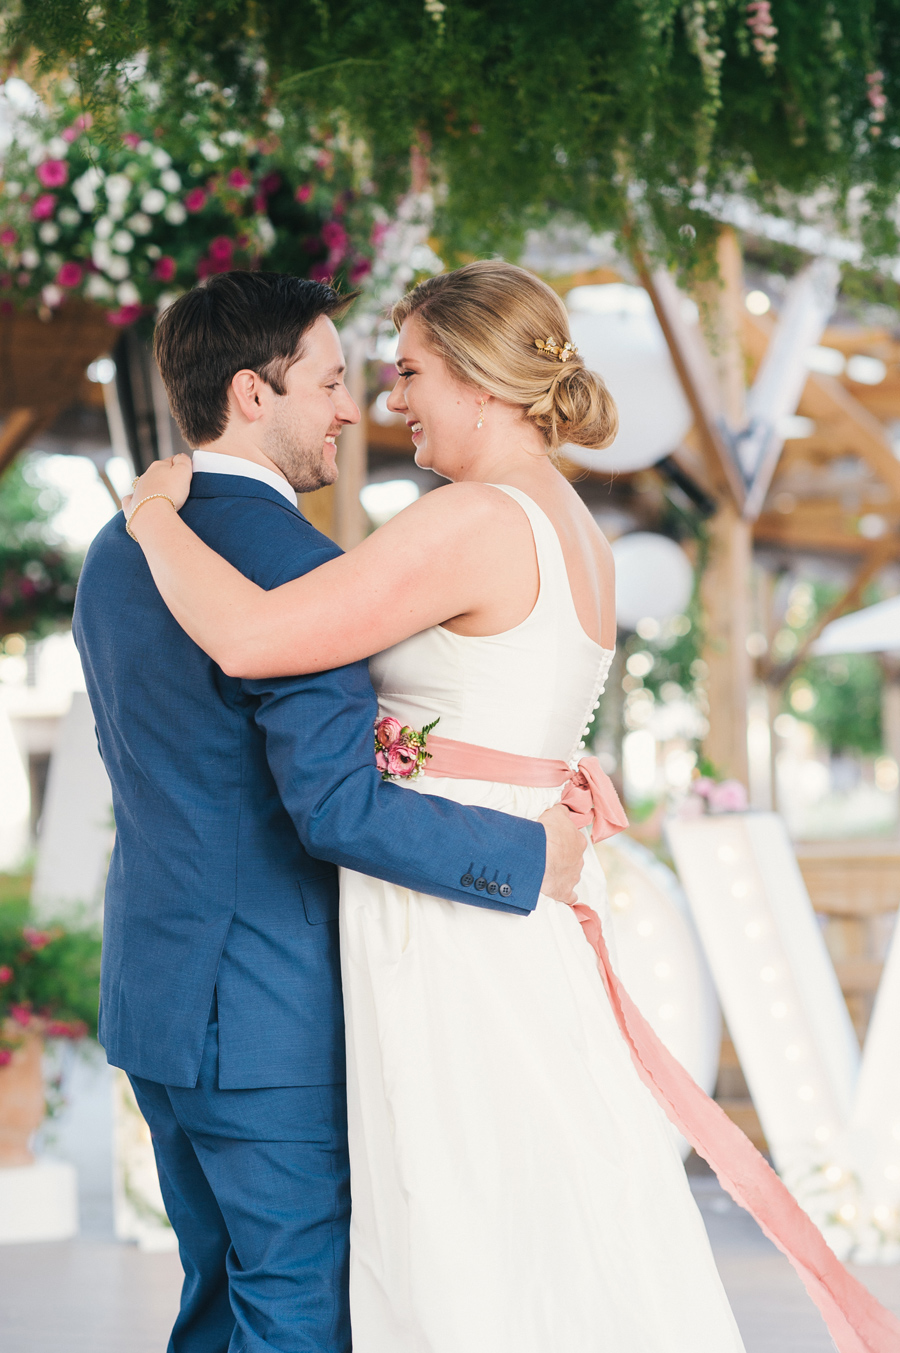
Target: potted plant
[[49, 989]]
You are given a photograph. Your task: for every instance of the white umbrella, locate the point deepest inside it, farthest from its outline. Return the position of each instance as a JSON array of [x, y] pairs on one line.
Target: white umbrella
[[875, 629]]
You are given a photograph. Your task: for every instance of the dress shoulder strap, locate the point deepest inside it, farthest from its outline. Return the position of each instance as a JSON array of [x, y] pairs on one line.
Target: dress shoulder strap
[[551, 561]]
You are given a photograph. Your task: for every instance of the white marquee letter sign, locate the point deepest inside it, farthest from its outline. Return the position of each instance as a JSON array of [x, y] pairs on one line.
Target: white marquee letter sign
[[832, 1121]]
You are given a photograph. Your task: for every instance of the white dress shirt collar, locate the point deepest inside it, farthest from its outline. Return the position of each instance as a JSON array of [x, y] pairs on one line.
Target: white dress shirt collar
[[214, 462]]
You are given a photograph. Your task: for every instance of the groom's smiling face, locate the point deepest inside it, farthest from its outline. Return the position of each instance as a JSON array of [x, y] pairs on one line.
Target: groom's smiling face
[[297, 431]]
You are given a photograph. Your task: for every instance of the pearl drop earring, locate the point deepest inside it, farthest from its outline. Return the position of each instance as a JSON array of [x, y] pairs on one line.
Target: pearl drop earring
[[480, 423]]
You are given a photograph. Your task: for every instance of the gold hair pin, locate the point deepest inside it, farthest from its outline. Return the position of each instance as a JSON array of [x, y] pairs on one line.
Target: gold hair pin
[[551, 348]]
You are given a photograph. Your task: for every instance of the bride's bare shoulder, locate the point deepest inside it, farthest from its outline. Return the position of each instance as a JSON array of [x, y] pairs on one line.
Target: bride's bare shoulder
[[460, 506]]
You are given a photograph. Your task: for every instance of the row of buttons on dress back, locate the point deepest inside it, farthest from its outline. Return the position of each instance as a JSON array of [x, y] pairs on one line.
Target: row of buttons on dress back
[[482, 885]]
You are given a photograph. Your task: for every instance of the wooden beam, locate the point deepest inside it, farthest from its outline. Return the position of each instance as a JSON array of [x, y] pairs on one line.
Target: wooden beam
[[17, 429], [697, 376], [777, 674]]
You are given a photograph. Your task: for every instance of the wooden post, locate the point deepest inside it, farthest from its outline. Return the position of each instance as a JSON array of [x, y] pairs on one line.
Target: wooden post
[[727, 581], [349, 515], [726, 603], [336, 510]]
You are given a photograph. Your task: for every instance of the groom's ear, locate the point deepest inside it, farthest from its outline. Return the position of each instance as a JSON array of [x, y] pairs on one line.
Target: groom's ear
[[245, 395]]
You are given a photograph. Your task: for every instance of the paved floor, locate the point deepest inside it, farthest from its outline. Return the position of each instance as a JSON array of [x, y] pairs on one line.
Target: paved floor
[[94, 1296]]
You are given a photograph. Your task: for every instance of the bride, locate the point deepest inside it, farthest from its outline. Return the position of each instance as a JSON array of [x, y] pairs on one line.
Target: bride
[[516, 1188]]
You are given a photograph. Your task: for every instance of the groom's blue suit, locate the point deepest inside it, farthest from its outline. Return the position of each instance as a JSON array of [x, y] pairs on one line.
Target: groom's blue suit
[[220, 991]]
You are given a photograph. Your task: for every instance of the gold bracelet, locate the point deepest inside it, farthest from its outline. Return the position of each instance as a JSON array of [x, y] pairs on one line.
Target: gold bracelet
[[149, 498]]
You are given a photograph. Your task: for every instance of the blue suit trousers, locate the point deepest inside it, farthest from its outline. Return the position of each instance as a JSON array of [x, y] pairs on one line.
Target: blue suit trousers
[[256, 1184]]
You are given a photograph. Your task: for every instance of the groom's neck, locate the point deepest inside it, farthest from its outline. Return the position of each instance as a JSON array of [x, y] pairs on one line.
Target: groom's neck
[[243, 448]]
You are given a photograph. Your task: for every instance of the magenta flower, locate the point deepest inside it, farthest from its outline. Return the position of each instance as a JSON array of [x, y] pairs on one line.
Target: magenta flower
[[132, 139], [260, 202], [381, 762], [36, 939], [195, 200], [70, 274], [21, 1014], [379, 231], [6, 974], [43, 207], [336, 237], [62, 1028], [53, 173], [125, 315], [238, 179], [360, 269], [304, 192], [387, 731], [165, 268], [321, 272], [5, 1056], [270, 183], [221, 248], [9, 236]]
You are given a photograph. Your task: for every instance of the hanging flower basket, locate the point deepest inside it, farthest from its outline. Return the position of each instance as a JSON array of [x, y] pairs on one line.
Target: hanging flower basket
[[129, 220]]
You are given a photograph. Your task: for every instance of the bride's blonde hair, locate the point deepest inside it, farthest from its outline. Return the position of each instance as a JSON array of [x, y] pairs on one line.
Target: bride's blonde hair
[[484, 320]]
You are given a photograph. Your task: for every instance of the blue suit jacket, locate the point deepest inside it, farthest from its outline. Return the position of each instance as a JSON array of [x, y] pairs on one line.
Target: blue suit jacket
[[234, 800]]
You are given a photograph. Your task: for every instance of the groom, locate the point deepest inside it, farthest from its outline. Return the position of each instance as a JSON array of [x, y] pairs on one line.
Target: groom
[[234, 801]]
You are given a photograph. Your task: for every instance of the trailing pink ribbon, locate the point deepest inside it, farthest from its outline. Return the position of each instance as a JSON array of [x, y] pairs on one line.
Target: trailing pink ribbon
[[856, 1321]]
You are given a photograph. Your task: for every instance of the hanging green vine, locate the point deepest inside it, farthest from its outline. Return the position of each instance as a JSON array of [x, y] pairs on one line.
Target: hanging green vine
[[639, 107]]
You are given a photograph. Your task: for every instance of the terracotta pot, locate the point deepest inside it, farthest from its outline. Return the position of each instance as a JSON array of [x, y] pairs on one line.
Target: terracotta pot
[[22, 1102]]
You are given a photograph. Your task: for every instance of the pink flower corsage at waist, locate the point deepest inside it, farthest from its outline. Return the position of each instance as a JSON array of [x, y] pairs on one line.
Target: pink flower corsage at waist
[[400, 751]]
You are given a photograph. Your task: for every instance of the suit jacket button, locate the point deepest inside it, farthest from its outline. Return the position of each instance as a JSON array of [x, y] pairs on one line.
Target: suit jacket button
[[505, 890], [481, 884], [467, 880], [493, 888]]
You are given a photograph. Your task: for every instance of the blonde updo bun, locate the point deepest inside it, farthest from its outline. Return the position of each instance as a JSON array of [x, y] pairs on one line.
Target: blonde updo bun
[[483, 320]]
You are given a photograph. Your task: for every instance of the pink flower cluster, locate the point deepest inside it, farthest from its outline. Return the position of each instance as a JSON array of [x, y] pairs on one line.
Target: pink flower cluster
[[396, 753], [722, 796], [36, 939], [759, 21], [877, 99]]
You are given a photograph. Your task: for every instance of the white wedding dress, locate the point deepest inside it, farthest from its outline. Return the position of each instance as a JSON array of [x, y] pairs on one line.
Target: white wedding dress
[[515, 1187]]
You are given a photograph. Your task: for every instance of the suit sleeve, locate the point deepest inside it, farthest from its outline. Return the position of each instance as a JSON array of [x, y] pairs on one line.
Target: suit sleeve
[[319, 744]]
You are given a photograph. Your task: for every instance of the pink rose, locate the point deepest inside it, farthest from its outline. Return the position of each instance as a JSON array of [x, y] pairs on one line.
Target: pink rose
[[381, 761], [238, 179], [221, 249], [125, 315], [43, 207], [195, 200], [5, 1056], [728, 797], [53, 173], [165, 268], [402, 758], [21, 1014], [6, 974], [70, 274], [702, 786], [37, 939], [304, 192], [132, 139], [387, 731], [9, 236]]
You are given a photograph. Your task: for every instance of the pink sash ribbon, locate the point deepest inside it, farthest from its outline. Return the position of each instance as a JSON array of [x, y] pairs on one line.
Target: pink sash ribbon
[[589, 793], [856, 1321]]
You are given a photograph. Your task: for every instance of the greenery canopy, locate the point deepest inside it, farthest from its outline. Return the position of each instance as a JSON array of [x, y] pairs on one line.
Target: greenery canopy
[[632, 109]]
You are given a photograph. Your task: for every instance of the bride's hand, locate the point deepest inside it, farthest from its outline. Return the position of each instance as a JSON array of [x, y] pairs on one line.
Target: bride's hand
[[171, 477]]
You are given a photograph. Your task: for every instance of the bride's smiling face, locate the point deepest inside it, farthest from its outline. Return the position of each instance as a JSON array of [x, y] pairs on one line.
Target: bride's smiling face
[[439, 410]]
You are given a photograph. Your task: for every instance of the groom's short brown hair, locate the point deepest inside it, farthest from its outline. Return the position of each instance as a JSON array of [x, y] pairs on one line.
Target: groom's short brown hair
[[236, 320]]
